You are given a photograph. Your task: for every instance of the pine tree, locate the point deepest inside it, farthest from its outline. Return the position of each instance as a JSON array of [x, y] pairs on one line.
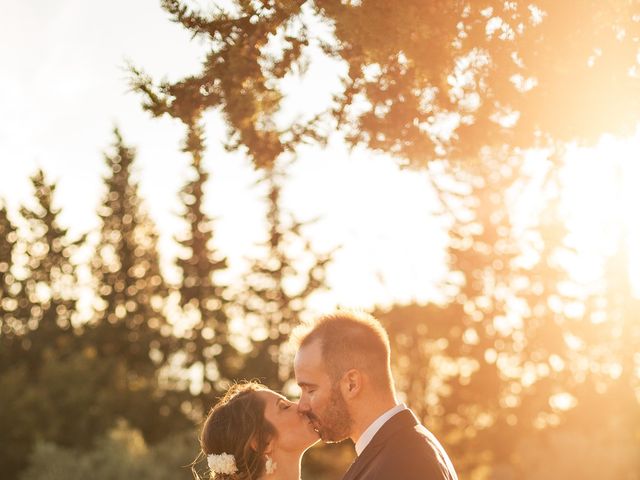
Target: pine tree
[[39, 299], [487, 363], [280, 284], [235, 81], [50, 283], [201, 293], [130, 332], [129, 324], [12, 321]]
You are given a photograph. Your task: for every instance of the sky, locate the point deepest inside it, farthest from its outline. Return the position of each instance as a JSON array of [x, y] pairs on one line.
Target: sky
[[63, 88]]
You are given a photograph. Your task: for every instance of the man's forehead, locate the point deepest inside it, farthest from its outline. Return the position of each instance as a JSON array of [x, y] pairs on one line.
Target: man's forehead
[[309, 354]]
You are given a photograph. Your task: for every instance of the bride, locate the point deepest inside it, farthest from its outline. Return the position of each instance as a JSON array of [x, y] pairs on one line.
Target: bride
[[255, 433]]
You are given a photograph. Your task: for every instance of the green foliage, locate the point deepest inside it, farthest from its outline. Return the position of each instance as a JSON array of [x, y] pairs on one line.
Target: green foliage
[[448, 79], [65, 402], [504, 73], [19, 402], [64, 385], [122, 453], [37, 342], [63, 382], [239, 74], [327, 461]]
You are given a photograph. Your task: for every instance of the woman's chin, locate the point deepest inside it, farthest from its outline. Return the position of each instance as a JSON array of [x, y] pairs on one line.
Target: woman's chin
[[311, 443], [312, 438]]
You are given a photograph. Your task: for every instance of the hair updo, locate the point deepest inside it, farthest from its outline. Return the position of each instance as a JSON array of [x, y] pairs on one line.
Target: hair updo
[[236, 425]]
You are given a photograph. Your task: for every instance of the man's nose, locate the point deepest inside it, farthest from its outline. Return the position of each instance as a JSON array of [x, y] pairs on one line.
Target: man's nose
[[298, 410], [303, 405]]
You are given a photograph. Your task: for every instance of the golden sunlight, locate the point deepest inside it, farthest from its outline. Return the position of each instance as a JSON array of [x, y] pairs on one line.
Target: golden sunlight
[[600, 203]]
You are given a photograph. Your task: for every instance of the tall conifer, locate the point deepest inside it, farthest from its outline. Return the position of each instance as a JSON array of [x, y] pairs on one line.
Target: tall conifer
[[129, 324], [280, 283], [12, 321], [201, 293], [50, 283]]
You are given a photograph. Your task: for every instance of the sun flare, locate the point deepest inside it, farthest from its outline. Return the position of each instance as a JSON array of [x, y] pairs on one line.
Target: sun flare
[[601, 201]]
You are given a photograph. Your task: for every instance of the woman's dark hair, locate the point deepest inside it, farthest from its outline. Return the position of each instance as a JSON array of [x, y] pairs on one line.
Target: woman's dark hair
[[236, 425]]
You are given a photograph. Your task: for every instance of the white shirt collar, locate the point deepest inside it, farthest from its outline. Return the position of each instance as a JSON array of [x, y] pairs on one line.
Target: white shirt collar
[[372, 429]]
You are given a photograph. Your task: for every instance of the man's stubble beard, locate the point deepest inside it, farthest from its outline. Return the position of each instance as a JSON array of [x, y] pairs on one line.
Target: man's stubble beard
[[335, 424]]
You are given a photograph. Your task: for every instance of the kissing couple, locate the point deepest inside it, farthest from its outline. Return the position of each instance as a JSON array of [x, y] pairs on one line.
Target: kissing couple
[[342, 366]]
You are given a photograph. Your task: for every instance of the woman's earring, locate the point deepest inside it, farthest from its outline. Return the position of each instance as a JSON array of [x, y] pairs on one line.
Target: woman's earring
[[270, 465]]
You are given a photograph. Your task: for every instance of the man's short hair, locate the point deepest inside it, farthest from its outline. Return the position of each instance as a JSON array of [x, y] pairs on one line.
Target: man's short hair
[[351, 339]]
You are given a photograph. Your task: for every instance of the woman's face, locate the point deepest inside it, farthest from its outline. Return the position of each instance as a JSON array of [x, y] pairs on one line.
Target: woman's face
[[294, 430]]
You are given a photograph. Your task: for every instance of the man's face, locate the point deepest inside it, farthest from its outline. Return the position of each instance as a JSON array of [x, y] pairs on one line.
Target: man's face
[[321, 401]]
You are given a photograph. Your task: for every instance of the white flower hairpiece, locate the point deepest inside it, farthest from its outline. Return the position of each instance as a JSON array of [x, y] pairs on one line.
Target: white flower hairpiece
[[224, 463]]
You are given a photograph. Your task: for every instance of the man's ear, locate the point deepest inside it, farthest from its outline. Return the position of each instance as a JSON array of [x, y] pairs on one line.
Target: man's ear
[[351, 383]]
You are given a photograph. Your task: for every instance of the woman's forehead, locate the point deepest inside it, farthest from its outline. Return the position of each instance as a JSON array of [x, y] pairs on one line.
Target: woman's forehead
[[270, 396]]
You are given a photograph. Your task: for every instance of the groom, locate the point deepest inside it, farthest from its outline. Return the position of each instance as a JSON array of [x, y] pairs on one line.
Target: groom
[[342, 367]]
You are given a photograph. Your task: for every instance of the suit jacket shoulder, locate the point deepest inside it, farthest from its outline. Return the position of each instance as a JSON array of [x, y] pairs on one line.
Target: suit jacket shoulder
[[403, 448]]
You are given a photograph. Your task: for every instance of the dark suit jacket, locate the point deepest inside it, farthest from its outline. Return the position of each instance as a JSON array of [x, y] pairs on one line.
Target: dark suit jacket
[[402, 449]]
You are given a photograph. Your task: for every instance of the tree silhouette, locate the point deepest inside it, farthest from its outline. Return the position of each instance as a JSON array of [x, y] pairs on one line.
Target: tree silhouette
[[482, 368], [448, 80], [280, 282], [452, 78], [130, 333], [201, 292], [238, 75], [50, 280], [129, 284], [236, 80], [39, 299], [12, 313]]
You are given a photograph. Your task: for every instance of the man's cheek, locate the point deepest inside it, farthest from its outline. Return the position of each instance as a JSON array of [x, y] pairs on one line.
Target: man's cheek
[[317, 405]]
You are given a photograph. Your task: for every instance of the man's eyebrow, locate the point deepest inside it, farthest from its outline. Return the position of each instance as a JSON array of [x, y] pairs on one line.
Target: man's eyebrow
[[306, 384]]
